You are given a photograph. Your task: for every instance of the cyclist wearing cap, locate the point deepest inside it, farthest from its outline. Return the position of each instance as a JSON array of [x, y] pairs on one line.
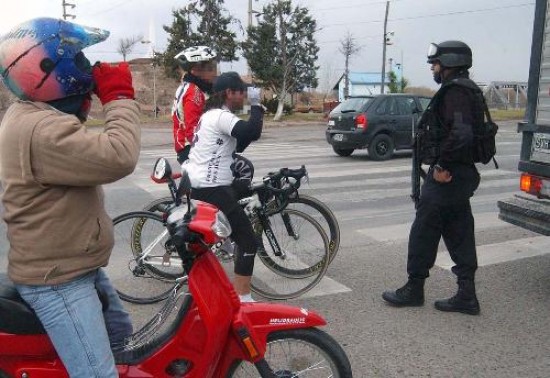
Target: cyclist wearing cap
[[51, 170], [220, 134], [199, 66]]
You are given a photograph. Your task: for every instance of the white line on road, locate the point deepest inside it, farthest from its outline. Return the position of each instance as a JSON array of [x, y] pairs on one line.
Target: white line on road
[[510, 250]]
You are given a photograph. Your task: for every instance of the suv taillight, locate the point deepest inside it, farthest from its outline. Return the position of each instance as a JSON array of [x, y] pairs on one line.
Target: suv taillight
[[361, 122], [530, 184]]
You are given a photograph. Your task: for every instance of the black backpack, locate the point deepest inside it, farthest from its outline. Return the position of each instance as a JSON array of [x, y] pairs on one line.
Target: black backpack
[[485, 131]]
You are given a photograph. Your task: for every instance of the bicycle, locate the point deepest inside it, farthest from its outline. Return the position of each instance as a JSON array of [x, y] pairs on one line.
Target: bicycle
[[301, 202], [296, 248]]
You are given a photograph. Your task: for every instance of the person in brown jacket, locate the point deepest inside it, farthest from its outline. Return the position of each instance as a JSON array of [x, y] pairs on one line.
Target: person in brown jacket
[[51, 170]]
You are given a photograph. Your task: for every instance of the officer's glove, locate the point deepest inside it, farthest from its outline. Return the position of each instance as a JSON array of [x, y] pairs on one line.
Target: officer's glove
[[112, 82]]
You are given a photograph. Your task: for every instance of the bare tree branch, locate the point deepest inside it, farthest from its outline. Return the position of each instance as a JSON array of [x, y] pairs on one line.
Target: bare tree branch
[[348, 47], [126, 45]]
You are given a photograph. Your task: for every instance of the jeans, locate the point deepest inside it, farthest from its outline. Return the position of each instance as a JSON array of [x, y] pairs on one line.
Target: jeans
[[71, 314], [117, 320]]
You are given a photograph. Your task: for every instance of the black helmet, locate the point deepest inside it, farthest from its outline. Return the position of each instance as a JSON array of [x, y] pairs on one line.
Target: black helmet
[[228, 80], [450, 54]]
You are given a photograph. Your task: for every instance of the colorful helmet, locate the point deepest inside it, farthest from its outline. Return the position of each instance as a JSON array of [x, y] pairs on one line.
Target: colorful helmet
[[450, 54], [41, 59], [194, 54]]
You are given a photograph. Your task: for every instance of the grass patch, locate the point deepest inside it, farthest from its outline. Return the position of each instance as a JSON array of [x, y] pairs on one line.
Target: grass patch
[[496, 114], [507, 114]]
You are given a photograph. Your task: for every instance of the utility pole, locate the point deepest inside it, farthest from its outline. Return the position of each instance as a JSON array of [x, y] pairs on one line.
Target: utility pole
[[250, 12], [250, 18], [384, 48], [65, 14], [153, 64]]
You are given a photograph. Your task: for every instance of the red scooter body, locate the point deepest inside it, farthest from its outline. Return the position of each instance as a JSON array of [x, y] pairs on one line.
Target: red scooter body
[[214, 329]]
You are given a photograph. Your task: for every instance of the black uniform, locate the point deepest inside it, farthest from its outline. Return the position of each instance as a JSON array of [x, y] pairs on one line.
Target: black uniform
[[444, 208]]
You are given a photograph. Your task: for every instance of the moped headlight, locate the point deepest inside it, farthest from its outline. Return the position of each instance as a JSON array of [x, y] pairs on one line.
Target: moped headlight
[[221, 226]]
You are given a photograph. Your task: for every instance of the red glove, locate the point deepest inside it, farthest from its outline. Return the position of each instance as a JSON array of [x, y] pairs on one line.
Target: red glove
[[112, 82]]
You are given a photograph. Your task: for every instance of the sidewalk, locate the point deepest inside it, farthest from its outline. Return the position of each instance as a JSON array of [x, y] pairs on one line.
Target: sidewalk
[[157, 134]]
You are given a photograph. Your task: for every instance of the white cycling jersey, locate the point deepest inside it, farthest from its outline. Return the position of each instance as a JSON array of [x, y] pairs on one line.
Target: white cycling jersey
[[211, 156]]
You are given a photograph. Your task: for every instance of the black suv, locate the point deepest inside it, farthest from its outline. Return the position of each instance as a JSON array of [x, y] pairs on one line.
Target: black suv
[[380, 123]]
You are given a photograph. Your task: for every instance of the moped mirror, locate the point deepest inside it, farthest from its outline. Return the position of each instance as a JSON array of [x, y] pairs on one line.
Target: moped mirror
[[184, 184], [162, 169]]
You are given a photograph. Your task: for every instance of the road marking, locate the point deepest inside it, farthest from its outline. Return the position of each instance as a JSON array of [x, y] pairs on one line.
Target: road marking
[[511, 250], [399, 232], [327, 286]]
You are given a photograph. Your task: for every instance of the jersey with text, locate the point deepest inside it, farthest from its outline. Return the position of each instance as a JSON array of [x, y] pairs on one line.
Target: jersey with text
[[211, 156]]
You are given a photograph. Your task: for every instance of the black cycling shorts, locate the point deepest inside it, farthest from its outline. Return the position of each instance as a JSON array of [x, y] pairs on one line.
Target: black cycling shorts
[[225, 198]]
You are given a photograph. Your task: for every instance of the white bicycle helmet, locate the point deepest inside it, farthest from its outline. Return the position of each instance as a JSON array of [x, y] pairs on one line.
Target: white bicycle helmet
[[194, 54]]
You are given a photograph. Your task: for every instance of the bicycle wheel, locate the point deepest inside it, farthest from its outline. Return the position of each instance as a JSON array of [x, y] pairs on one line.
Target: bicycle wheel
[[304, 258], [153, 206], [143, 264], [303, 353], [322, 214]]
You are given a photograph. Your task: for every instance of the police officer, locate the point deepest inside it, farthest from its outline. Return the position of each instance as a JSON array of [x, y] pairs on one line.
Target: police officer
[[444, 207]]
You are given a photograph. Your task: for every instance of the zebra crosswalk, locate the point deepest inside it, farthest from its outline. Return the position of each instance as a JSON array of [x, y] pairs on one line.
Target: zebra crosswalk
[[372, 199]]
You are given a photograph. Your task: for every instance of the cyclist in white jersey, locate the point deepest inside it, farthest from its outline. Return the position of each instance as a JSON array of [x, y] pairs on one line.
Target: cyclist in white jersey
[[218, 136]]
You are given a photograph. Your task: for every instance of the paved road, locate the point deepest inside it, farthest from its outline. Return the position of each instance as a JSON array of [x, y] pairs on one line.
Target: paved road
[[371, 200]]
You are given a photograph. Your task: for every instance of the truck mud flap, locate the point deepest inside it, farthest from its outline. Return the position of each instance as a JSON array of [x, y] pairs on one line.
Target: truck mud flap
[[529, 213]]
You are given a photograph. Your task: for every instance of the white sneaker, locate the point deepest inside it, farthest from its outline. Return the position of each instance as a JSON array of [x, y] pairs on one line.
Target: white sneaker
[[246, 298]]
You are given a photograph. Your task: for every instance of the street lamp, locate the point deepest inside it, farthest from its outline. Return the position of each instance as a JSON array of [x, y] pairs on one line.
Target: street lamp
[[387, 42], [146, 42]]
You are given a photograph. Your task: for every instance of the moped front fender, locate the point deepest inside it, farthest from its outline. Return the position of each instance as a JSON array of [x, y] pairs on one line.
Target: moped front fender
[[265, 318]]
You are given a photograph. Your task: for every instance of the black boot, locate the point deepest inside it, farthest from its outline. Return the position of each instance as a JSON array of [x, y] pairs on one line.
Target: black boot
[[464, 301], [412, 294]]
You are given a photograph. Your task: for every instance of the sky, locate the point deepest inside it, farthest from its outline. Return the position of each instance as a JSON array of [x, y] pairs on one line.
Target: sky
[[498, 31]]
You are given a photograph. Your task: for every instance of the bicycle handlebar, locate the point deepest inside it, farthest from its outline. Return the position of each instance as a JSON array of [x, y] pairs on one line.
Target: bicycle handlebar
[[280, 185]]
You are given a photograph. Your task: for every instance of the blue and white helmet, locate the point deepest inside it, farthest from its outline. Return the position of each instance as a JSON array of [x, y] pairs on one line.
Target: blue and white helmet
[[41, 59]]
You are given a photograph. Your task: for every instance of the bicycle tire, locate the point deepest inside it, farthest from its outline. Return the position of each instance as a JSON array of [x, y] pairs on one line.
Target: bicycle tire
[[292, 276], [153, 205], [322, 214], [134, 232], [306, 352], [319, 211], [303, 272]]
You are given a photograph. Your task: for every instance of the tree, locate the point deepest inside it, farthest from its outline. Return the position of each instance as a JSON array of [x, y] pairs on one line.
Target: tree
[[201, 22], [348, 47], [281, 50], [126, 45], [397, 86]]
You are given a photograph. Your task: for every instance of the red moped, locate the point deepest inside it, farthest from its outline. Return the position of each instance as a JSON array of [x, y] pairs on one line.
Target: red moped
[[212, 333]]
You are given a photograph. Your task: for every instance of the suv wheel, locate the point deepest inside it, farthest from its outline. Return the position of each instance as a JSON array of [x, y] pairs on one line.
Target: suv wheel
[[381, 147], [343, 151]]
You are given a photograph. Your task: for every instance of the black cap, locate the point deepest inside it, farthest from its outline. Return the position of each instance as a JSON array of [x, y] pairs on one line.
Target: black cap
[[229, 80]]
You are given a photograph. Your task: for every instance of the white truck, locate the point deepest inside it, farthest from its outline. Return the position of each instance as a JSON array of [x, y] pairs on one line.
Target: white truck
[[531, 208]]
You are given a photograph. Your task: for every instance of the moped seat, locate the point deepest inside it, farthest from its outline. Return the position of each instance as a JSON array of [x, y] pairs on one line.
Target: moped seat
[[16, 317]]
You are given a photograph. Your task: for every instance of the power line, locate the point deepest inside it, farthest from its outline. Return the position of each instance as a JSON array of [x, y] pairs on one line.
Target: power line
[[434, 15], [362, 5], [111, 8]]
